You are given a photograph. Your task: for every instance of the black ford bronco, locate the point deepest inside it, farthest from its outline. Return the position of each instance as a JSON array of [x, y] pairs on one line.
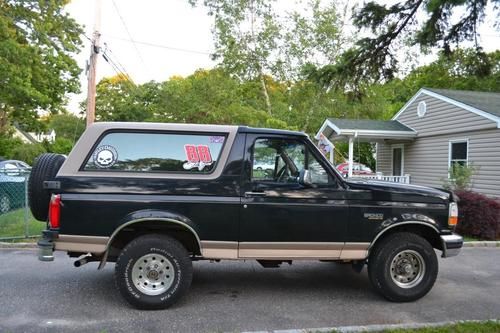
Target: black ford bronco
[[154, 197]]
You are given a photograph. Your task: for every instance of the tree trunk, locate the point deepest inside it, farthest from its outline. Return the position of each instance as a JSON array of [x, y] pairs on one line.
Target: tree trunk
[[266, 94], [3, 120]]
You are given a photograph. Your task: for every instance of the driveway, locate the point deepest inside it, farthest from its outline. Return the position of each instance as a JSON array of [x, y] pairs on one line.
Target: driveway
[[237, 296]]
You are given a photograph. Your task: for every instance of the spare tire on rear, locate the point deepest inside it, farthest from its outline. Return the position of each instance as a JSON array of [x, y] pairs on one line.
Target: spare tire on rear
[[45, 168]]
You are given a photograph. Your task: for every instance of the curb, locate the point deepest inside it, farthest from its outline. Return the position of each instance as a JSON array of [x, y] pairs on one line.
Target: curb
[[375, 328], [9, 245], [482, 244]]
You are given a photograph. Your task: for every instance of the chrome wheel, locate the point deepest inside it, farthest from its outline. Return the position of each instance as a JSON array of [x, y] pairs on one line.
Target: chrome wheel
[[153, 274], [4, 204], [407, 269]]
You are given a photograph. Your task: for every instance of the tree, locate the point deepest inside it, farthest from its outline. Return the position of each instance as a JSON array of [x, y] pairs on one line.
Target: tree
[[37, 41], [374, 58], [67, 126], [119, 99], [255, 41]]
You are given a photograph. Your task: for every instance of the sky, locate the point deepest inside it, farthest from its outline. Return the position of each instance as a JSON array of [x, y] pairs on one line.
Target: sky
[[182, 35], [171, 38]]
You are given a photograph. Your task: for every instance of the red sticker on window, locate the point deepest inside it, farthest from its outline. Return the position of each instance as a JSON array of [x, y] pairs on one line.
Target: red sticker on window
[[197, 157]]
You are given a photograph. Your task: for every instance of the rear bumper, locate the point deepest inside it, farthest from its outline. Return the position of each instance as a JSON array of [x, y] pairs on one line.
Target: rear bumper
[[46, 245], [451, 245]]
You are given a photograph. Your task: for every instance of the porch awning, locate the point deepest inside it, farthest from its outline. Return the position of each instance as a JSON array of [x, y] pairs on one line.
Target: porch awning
[[364, 130]]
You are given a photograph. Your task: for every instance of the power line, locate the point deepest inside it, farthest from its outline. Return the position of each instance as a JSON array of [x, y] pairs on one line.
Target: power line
[[109, 53], [162, 46], [128, 32]]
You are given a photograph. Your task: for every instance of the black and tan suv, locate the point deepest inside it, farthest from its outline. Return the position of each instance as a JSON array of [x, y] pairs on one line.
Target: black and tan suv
[[155, 197]]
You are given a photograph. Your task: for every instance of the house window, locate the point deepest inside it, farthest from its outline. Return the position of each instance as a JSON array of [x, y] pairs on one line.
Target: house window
[[458, 153], [421, 109]]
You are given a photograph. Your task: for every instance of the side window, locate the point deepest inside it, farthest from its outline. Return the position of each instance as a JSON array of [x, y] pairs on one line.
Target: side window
[[279, 160], [156, 152]]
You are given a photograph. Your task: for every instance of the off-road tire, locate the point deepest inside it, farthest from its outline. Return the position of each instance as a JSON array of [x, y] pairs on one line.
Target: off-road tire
[[384, 254], [155, 244], [45, 168]]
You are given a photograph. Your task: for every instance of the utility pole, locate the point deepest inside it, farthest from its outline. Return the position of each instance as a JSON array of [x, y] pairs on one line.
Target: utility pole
[[94, 53]]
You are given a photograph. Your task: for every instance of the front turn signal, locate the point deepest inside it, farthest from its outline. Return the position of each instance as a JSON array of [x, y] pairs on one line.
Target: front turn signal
[[453, 214]]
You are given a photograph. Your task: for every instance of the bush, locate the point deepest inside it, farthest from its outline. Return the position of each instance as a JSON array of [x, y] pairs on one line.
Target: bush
[[28, 152], [460, 177], [479, 216]]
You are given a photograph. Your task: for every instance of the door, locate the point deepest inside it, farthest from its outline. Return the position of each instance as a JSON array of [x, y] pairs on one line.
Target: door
[[397, 161], [281, 218]]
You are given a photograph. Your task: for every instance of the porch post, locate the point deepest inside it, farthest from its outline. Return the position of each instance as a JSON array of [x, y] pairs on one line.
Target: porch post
[[351, 157]]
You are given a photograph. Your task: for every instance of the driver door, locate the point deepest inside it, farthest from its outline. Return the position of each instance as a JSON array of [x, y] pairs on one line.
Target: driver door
[[282, 218]]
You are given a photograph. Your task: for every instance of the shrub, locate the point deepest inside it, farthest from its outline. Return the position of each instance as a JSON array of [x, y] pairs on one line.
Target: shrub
[[28, 152], [479, 216], [460, 177]]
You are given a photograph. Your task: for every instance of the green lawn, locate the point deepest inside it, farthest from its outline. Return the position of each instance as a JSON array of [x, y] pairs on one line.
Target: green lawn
[[466, 327], [12, 224]]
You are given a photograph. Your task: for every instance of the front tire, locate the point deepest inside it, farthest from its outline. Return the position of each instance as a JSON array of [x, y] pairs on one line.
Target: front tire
[[403, 267], [153, 272]]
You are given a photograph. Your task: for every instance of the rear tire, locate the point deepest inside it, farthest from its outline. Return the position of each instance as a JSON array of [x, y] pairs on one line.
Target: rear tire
[[403, 267], [45, 168], [153, 272]]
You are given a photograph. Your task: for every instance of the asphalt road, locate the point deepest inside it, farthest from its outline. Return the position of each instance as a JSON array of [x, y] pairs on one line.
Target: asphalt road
[[237, 296]]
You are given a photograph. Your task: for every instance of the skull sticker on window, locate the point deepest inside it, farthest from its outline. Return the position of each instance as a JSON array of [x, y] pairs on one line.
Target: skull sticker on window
[[105, 156]]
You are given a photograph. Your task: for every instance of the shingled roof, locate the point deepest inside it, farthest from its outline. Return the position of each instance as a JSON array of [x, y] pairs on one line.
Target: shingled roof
[[369, 124], [484, 101]]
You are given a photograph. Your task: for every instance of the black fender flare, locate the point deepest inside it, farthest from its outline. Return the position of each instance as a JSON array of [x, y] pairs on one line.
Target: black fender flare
[[148, 215]]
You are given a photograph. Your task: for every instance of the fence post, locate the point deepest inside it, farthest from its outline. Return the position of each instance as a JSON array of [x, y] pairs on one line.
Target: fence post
[[26, 205]]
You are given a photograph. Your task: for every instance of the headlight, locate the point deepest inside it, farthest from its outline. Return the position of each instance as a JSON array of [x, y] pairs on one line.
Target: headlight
[[453, 214]]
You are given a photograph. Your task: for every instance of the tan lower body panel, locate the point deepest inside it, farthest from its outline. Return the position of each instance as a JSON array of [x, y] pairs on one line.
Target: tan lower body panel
[[84, 244], [284, 250], [219, 250]]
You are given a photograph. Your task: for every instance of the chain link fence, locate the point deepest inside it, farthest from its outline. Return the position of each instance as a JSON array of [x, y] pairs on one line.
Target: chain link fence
[[16, 221]]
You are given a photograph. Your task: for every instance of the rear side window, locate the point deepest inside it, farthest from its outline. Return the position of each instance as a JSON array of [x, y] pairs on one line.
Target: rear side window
[[156, 152]]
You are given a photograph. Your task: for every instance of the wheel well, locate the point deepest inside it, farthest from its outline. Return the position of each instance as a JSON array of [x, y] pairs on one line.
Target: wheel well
[[185, 236], [426, 232]]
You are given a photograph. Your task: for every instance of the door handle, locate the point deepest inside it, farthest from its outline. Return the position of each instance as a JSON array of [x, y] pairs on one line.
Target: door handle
[[255, 194]]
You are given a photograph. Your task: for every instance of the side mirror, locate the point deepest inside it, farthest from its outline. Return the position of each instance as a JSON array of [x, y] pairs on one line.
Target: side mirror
[[305, 178]]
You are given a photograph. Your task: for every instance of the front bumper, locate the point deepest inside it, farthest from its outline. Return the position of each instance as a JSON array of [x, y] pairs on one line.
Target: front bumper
[[46, 245], [451, 245]]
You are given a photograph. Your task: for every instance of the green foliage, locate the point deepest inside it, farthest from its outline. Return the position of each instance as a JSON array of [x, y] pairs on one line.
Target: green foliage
[[67, 126], [492, 326], [13, 224], [460, 177], [59, 146], [427, 23], [37, 41], [28, 152], [8, 145]]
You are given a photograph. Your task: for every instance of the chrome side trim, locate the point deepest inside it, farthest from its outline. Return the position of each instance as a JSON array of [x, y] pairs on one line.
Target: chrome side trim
[[289, 250], [85, 244], [397, 225], [220, 250]]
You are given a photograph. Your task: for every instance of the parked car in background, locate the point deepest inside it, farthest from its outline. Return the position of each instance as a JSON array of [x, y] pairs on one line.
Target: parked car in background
[[13, 175], [357, 169]]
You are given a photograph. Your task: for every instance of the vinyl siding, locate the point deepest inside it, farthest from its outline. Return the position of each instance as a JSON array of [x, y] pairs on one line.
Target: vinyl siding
[[384, 158], [426, 159], [442, 118]]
